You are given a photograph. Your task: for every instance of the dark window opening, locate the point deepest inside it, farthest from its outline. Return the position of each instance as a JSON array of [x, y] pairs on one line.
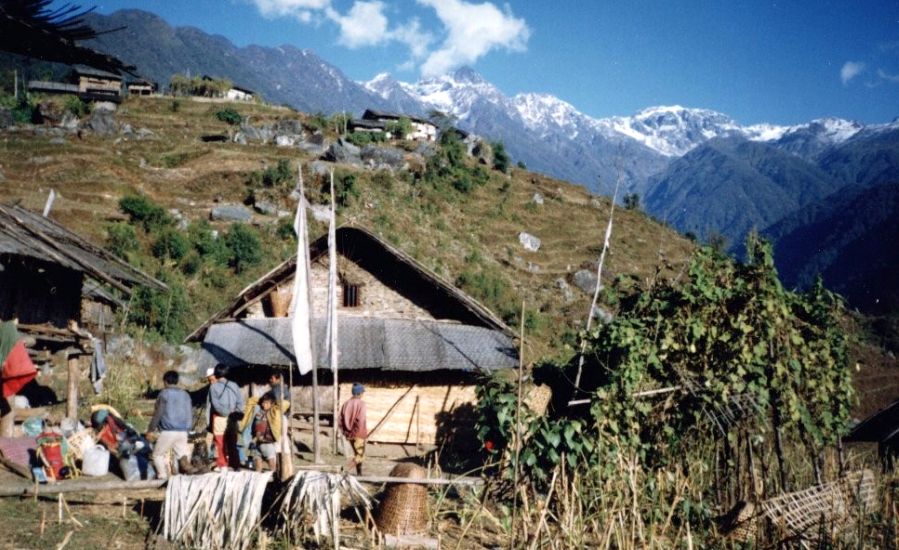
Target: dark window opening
[[351, 295]]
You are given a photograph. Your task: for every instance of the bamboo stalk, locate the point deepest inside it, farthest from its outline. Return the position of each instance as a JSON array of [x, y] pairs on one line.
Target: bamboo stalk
[[517, 427]]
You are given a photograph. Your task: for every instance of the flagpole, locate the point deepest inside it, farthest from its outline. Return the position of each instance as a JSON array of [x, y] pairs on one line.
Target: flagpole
[[332, 314], [301, 308]]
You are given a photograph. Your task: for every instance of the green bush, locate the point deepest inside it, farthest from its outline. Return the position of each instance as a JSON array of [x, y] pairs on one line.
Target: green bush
[[274, 176], [162, 312], [191, 263], [244, 247], [501, 159], [361, 139], [205, 243], [631, 201], [77, 107], [171, 244], [175, 106], [143, 211], [285, 230], [229, 116], [399, 129], [121, 239], [346, 190]]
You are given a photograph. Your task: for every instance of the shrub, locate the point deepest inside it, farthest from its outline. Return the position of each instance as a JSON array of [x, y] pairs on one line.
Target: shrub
[[163, 312], [346, 190], [77, 107], [171, 244], [285, 230], [244, 247], [145, 212], [274, 176], [501, 159], [175, 106], [361, 139], [399, 129], [229, 115], [206, 244], [121, 239]]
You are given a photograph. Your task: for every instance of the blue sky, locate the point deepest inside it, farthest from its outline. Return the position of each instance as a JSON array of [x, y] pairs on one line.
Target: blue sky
[[780, 62]]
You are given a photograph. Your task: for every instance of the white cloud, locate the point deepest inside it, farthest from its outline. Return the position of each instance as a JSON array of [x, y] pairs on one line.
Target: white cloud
[[850, 70], [894, 78], [473, 30], [470, 30], [296, 8], [364, 25]]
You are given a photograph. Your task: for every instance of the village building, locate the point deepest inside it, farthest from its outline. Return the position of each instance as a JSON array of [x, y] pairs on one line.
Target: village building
[[141, 87], [236, 93], [417, 343], [422, 129], [87, 83]]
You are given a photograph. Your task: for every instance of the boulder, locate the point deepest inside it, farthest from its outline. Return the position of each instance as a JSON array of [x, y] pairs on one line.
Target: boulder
[[311, 148], [602, 315], [529, 242], [69, 122], [320, 167], [285, 140], [537, 199], [383, 157], [101, 122], [344, 152], [483, 152], [262, 134], [586, 281], [144, 133], [317, 138], [240, 138], [58, 141], [426, 150], [231, 213], [288, 126], [564, 288], [320, 212], [266, 208], [51, 112]]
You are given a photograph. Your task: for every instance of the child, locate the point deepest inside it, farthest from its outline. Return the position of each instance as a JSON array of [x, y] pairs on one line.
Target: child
[[265, 428]]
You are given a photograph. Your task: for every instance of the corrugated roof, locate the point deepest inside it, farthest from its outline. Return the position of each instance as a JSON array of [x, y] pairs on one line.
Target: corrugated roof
[[25, 233], [365, 343]]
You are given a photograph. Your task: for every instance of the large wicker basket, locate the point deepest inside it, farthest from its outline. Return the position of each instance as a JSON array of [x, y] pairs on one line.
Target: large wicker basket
[[404, 508], [280, 301]]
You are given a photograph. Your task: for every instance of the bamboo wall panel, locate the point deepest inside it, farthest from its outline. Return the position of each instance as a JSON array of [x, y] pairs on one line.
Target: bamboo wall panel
[[435, 404]]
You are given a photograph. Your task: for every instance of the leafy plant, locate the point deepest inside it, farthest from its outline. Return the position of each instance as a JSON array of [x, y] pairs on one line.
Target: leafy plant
[[501, 160], [75, 106], [171, 244], [229, 116], [244, 247], [121, 239], [145, 212]]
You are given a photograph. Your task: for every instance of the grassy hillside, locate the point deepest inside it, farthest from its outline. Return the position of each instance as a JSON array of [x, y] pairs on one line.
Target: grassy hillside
[[470, 238]]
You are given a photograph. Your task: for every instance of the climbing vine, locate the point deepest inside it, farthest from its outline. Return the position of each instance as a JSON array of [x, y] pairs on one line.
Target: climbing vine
[[723, 353]]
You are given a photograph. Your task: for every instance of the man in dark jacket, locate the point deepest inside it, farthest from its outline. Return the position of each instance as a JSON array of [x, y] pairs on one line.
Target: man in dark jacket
[[172, 419]]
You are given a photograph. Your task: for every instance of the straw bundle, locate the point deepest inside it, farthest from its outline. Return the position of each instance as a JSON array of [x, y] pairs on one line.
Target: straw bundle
[[314, 498], [214, 511], [403, 510]]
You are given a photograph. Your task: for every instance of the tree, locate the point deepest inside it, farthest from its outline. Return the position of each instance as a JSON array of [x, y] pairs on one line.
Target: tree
[[244, 246]]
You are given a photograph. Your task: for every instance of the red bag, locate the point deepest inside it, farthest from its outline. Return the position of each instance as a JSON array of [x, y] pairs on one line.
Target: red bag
[[51, 454], [17, 370]]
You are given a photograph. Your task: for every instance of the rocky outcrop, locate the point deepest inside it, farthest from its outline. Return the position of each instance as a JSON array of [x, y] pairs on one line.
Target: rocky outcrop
[[231, 213], [381, 158], [344, 152], [529, 242]]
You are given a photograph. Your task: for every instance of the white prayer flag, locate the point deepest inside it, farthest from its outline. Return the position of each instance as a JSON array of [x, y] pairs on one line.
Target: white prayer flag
[[300, 307]]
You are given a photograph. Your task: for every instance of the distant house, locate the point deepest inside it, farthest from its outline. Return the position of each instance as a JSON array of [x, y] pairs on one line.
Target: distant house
[[93, 81], [418, 343], [362, 125], [237, 93], [86, 82], [422, 129], [141, 87]]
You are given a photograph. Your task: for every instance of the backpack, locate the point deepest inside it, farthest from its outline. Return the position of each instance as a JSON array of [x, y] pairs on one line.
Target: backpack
[[55, 457]]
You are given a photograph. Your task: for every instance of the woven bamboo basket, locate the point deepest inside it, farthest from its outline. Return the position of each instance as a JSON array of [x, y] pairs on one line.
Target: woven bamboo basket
[[404, 508], [280, 301]]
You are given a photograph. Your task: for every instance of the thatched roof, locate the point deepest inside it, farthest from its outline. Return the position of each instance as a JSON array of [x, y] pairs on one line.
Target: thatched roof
[[364, 343], [394, 263], [24, 233]]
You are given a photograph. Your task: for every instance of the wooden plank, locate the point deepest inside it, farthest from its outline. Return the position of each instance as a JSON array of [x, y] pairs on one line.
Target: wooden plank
[[81, 486]]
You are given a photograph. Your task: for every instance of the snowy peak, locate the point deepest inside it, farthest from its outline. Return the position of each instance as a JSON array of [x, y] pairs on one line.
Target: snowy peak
[[544, 113]]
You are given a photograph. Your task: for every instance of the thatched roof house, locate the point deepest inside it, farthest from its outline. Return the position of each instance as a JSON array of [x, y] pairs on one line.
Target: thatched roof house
[[49, 275], [416, 341]]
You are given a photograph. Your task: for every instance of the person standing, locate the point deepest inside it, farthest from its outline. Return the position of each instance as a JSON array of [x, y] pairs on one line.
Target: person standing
[[172, 420], [226, 405], [264, 422], [354, 427]]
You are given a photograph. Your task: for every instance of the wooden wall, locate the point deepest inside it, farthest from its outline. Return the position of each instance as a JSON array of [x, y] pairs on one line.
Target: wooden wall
[[39, 292]]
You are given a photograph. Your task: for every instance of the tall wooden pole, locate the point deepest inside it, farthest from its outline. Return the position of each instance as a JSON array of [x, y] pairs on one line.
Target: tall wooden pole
[[316, 421], [72, 387], [517, 427], [332, 315]]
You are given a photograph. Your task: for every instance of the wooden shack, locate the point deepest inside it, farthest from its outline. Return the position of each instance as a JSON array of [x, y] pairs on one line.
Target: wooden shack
[[50, 276], [418, 343], [95, 82], [422, 129]]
